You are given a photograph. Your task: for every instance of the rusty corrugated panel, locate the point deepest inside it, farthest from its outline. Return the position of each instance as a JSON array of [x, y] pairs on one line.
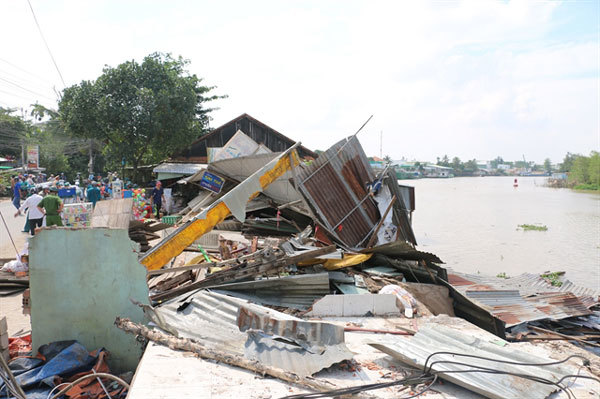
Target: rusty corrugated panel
[[519, 299], [334, 185]]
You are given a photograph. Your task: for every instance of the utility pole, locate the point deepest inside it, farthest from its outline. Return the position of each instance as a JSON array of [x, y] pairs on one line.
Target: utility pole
[[91, 162], [23, 164]]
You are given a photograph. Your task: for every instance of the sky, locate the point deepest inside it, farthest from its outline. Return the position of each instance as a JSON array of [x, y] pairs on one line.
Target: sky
[[473, 79]]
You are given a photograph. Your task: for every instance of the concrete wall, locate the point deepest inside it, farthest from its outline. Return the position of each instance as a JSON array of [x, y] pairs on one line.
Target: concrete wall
[[81, 280]]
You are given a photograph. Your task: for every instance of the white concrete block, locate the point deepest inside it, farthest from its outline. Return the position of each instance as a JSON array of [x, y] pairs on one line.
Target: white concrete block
[[357, 304], [330, 305], [385, 305]]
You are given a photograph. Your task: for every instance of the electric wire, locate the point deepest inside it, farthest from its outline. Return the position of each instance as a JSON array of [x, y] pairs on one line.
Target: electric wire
[[46, 43], [432, 376], [26, 89]]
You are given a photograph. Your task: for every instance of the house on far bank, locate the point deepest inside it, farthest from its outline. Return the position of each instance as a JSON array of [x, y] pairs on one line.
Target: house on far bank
[[248, 132], [431, 170]]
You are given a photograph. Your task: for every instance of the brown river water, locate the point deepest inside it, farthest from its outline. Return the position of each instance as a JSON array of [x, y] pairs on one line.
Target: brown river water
[[471, 224]]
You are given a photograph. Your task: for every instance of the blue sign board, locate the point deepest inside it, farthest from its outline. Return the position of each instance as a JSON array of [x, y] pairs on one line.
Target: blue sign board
[[212, 182]]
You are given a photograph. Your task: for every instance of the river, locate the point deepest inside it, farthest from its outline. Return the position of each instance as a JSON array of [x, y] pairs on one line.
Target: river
[[471, 224]]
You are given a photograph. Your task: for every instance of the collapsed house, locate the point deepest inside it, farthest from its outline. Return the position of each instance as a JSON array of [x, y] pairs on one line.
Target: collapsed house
[[289, 273]]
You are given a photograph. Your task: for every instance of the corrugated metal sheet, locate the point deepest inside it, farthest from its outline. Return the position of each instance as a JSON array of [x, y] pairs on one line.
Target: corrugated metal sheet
[[179, 168], [433, 338], [334, 185], [212, 319], [522, 298], [526, 283], [296, 292]]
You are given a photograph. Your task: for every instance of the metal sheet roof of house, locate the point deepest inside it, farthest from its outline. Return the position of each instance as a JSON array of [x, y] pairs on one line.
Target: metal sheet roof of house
[[434, 337], [212, 319], [179, 168], [296, 292], [522, 298]]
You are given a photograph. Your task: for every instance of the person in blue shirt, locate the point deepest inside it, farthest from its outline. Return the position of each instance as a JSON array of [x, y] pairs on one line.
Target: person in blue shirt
[[157, 197], [17, 194]]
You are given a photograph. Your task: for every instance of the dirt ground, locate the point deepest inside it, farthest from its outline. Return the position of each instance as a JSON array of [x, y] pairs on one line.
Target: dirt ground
[[11, 306]]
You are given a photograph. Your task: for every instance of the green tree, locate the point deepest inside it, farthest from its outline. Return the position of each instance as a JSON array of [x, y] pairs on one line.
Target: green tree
[[580, 170], [548, 165], [470, 167], [495, 162], [13, 132], [594, 169], [457, 165], [387, 159], [143, 112], [567, 163]]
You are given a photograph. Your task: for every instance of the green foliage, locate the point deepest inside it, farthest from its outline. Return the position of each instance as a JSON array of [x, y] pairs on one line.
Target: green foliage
[[533, 227], [143, 112], [445, 161], [568, 161], [502, 275], [585, 172], [496, 162], [553, 278], [548, 165]]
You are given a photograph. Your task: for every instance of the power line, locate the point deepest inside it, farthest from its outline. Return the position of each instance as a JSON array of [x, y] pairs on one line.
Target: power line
[[25, 80], [46, 43], [23, 70], [23, 88]]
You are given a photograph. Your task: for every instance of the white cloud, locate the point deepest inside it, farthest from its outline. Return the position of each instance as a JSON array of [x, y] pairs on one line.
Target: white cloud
[[473, 78]]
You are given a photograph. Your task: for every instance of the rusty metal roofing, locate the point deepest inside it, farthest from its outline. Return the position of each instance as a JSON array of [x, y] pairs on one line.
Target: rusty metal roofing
[[522, 298], [335, 186], [212, 319], [433, 337]]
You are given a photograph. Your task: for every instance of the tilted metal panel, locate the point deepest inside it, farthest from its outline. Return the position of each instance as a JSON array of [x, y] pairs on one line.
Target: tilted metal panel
[[335, 184], [401, 213], [519, 299]]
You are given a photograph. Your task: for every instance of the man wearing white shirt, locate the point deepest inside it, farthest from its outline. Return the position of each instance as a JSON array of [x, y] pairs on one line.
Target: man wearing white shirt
[[35, 215]]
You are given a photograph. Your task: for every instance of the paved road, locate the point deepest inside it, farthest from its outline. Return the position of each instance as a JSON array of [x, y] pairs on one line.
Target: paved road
[[15, 227], [10, 306]]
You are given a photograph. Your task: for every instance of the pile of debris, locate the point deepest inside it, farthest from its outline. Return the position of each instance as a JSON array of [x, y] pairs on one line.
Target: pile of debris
[[279, 260]]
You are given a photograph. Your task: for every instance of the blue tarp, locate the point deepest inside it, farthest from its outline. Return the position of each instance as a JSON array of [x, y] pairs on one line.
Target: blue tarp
[[60, 359]]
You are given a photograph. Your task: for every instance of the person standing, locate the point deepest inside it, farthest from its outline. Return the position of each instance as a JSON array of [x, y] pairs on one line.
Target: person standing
[[34, 216], [93, 194], [157, 197], [51, 206], [17, 193]]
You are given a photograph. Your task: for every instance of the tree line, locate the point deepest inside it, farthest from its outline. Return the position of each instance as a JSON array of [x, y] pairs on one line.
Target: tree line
[[583, 171], [133, 114]]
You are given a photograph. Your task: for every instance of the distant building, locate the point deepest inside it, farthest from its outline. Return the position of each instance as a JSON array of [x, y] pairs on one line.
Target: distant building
[[503, 166], [431, 170]]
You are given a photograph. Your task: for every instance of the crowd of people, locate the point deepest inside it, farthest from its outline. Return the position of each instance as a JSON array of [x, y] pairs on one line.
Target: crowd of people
[[41, 198]]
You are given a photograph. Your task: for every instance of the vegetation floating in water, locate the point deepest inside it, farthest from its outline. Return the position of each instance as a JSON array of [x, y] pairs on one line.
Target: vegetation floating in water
[[553, 278], [536, 227], [502, 275]]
